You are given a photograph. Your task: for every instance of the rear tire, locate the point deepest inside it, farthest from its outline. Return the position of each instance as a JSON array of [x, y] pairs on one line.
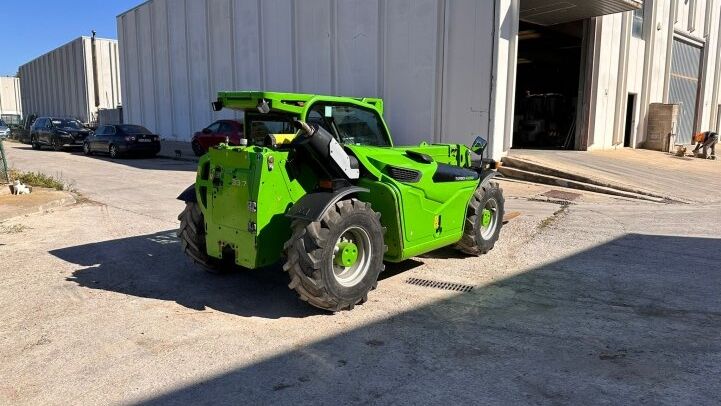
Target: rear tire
[[197, 148], [314, 260], [477, 238], [192, 238]]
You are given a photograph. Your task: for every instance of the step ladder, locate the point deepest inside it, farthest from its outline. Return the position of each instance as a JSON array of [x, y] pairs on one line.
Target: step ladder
[[4, 175]]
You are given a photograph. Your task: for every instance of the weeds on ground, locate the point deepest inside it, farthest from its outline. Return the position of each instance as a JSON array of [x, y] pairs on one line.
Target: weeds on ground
[[549, 221], [39, 179], [13, 229]]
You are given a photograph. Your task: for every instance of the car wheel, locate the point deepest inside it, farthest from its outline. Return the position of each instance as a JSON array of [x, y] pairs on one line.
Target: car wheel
[[114, 153], [34, 143], [57, 145], [197, 148], [86, 149]]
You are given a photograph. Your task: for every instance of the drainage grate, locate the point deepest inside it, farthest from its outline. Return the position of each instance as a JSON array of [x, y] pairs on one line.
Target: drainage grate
[[456, 287]]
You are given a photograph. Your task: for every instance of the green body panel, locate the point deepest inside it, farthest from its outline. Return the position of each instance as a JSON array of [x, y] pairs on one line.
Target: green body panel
[[420, 216], [244, 201], [244, 192]]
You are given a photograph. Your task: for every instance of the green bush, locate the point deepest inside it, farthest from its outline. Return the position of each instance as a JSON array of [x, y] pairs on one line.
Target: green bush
[[38, 179]]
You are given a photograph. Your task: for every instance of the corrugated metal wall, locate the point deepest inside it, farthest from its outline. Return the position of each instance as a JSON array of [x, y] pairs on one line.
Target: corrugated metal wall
[[176, 55], [60, 83], [684, 87], [10, 96]]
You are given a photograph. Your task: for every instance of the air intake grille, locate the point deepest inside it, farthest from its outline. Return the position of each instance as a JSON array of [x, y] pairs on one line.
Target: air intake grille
[[456, 287], [403, 175]]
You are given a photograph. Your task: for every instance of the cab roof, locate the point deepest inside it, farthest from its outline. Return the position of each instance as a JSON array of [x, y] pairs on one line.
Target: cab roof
[[294, 103]]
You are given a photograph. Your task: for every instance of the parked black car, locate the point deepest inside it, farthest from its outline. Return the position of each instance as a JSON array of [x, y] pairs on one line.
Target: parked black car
[[120, 139], [57, 133]]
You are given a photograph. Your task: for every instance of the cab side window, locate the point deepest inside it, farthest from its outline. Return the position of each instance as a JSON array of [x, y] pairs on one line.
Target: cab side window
[[349, 124], [100, 131], [110, 130]]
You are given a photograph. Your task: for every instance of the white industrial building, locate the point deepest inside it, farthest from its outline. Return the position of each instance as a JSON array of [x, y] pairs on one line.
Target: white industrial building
[[74, 80], [576, 74], [11, 109]]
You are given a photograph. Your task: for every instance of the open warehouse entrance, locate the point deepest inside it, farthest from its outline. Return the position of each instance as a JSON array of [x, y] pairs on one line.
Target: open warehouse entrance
[[547, 86]]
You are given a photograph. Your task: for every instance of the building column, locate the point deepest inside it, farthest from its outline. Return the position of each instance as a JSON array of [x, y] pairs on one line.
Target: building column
[[505, 56]]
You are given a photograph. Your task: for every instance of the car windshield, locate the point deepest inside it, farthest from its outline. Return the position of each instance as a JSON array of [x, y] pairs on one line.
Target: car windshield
[[74, 124], [134, 129], [2, 124]]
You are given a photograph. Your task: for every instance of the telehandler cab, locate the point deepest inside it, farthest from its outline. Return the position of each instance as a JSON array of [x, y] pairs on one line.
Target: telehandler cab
[[321, 188]]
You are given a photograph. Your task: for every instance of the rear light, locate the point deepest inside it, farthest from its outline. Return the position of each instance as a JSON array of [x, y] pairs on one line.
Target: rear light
[[130, 138], [326, 184]]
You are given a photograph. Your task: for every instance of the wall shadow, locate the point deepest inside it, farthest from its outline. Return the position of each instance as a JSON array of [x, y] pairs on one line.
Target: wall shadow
[[635, 320]]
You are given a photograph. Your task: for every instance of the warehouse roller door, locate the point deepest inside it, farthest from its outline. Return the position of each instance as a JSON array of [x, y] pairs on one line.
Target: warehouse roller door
[[684, 85]]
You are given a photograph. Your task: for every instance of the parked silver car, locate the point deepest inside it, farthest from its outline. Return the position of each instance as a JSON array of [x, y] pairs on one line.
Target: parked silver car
[[4, 130]]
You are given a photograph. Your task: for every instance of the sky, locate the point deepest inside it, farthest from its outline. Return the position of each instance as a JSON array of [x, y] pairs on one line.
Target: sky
[[54, 23]]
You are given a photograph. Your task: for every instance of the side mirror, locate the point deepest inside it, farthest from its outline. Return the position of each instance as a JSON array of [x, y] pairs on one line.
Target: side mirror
[[479, 145], [206, 131], [263, 106]]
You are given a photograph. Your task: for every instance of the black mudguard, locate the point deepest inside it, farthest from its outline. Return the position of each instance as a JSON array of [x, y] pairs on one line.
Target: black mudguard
[[313, 206], [487, 177], [189, 195]]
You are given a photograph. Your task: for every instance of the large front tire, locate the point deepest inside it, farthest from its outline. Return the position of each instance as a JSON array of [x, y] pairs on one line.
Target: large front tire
[[192, 238], [333, 263], [484, 219]]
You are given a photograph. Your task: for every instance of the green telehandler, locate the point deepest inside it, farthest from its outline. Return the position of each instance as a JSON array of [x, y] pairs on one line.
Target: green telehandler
[[320, 187]]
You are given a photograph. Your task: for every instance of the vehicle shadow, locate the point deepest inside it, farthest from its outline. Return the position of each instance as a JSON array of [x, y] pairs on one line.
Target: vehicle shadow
[[626, 322], [153, 266], [141, 162]]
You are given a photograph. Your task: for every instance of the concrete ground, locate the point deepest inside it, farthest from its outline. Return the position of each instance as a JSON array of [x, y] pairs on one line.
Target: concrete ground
[[683, 178], [603, 301], [40, 200]]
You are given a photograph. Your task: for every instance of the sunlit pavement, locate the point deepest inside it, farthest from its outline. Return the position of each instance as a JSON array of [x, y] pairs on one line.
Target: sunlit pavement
[[605, 301]]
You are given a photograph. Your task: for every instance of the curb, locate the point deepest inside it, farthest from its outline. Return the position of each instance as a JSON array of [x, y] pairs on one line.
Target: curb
[[174, 158], [528, 170], [519, 174], [67, 200]]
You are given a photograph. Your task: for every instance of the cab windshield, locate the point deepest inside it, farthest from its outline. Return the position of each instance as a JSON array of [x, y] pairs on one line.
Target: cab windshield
[[349, 124]]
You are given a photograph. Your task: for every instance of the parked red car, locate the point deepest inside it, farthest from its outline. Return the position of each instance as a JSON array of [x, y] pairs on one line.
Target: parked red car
[[216, 133]]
